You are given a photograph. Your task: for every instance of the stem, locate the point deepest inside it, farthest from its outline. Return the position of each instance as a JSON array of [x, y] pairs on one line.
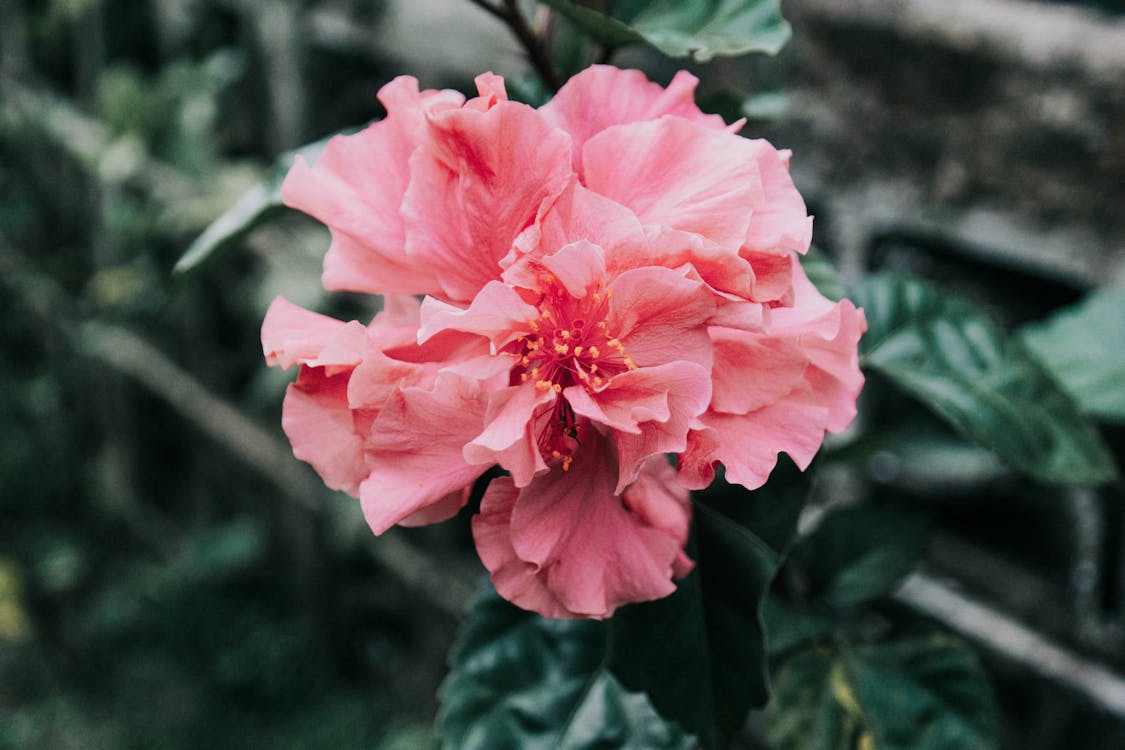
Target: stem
[[532, 44], [490, 9]]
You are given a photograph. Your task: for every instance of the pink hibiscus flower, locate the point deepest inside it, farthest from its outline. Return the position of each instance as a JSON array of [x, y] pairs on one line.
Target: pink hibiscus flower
[[605, 281]]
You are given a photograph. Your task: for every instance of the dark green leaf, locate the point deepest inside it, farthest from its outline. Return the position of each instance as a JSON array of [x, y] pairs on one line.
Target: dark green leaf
[[788, 626], [823, 274], [980, 379], [600, 27], [700, 653], [1084, 348], [700, 29], [804, 714], [916, 694], [521, 681], [857, 554], [256, 206]]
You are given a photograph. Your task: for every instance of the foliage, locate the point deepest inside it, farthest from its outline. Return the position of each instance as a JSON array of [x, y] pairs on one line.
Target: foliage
[[521, 680], [155, 592], [979, 378], [700, 29]]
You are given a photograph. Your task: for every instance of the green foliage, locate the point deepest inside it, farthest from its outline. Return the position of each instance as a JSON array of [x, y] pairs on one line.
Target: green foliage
[[257, 205], [700, 653], [519, 680], [685, 28], [823, 274], [858, 554], [1084, 348], [909, 694], [981, 380]]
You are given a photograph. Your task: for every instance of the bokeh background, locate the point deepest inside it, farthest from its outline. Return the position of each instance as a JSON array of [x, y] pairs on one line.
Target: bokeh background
[[171, 577]]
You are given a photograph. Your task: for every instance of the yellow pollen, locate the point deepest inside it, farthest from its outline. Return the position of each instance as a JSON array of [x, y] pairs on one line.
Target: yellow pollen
[[608, 293], [523, 378], [599, 381], [533, 325], [564, 333], [535, 372], [616, 344], [562, 349], [629, 363], [555, 454], [602, 324], [525, 361], [557, 387], [545, 314], [567, 461], [597, 297], [578, 351], [550, 278], [543, 385], [593, 368], [594, 352]]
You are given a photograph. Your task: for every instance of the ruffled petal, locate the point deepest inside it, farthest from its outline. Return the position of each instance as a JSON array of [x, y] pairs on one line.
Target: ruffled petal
[[516, 580], [659, 315], [415, 448], [678, 174], [508, 438], [293, 335], [476, 182], [355, 188], [780, 223], [573, 544], [603, 96], [322, 430]]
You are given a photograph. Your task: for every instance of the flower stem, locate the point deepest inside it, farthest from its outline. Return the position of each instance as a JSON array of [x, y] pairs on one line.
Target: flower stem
[[532, 43]]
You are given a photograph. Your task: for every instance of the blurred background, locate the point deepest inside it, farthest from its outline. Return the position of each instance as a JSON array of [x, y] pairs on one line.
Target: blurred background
[[171, 577]]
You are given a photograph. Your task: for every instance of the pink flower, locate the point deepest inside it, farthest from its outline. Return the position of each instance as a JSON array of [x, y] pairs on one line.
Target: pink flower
[[606, 280]]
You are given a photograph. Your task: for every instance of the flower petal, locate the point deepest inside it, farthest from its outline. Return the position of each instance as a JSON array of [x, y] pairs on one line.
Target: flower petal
[[602, 96], [415, 449], [659, 315], [321, 427], [293, 335], [508, 438], [678, 174], [356, 187], [591, 552], [476, 182], [780, 223]]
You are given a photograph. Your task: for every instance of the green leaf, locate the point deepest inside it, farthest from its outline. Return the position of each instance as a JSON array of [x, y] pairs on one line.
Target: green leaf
[[857, 554], [911, 694], [600, 27], [522, 681], [1084, 348], [788, 626], [701, 29], [257, 205], [978, 378], [700, 653]]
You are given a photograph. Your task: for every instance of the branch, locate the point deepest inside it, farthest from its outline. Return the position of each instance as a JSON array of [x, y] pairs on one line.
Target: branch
[[1013, 640], [531, 43]]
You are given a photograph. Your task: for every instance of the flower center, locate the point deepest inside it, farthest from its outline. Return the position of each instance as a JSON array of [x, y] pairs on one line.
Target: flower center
[[568, 344]]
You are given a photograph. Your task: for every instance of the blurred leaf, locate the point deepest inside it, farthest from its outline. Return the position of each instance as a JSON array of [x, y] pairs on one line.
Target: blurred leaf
[[700, 29], [858, 553], [519, 680], [700, 653], [915, 694], [1084, 348], [981, 380], [257, 205], [823, 274], [788, 627]]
